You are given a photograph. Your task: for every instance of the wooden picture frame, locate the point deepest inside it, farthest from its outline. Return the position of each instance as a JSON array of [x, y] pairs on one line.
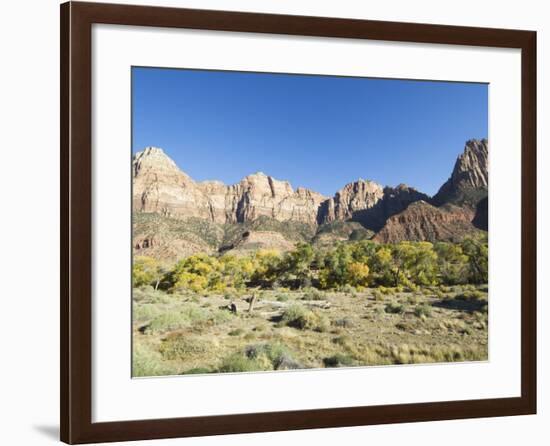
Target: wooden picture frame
[[76, 221]]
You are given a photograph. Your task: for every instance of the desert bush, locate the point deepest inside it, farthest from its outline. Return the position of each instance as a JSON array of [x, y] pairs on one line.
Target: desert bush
[[471, 295], [145, 312], [313, 294], [181, 346], [147, 294], [302, 318], [394, 308], [197, 371], [236, 332], [188, 315], [338, 360], [165, 322], [423, 310], [344, 322], [282, 297], [281, 357], [343, 340], [237, 362], [350, 290], [148, 362], [378, 295]]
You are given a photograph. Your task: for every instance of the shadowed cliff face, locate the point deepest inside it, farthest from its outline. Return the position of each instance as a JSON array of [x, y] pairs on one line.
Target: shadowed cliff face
[[268, 207], [469, 180]]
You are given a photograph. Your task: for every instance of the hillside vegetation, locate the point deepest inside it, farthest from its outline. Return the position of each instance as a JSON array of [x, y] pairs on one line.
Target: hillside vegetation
[[355, 304]]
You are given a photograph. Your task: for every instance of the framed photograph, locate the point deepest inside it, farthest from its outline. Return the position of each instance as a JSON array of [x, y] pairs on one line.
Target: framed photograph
[[277, 222]]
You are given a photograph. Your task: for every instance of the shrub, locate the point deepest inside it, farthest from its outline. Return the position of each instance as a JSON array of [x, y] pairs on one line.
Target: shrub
[[349, 289], [282, 297], [378, 295], [147, 362], [181, 346], [344, 322], [236, 332], [471, 295], [299, 317], [280, 357], [197, 371], [313, 294], [394, 308], [237, 362], [145, 312], [423, 310], [167, 322], [338, 360]]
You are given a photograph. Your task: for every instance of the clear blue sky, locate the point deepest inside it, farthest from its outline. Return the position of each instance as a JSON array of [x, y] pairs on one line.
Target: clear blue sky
[[320, 132]]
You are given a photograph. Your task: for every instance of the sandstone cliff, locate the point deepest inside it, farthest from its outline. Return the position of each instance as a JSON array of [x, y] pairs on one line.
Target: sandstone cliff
[[161, 187], [368, 203], [175, 216]]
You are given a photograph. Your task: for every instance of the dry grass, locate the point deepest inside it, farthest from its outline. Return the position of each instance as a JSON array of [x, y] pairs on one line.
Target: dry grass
[[186, 334]]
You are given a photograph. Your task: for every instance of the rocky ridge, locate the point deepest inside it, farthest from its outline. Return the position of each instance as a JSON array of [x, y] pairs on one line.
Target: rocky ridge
[[261, 211]]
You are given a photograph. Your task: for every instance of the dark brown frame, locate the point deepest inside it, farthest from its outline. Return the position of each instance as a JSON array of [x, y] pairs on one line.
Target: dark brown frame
[[76, 221]]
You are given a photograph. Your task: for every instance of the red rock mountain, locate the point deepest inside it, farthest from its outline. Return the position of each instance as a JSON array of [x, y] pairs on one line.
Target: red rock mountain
[[175, 215], [459, 208]]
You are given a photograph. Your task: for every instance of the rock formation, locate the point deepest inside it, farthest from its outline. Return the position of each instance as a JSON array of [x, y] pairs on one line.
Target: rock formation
[[459, 208], [160, 187], [470, 177], [422, 221], [368, 203], [176, 216]]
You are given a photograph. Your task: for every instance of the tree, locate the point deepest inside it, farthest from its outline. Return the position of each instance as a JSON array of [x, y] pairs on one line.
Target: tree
[[147, 271], [477, 251], [198, 272], [335, 272], [357, 274], [423, 266], [266, 266], [405, 262], [452, 263], [297, 264]]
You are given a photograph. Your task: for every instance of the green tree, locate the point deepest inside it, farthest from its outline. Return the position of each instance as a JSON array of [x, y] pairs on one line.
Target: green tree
[[423, 267], [297, 264], [335, 272], [477, 251], [452, 263]]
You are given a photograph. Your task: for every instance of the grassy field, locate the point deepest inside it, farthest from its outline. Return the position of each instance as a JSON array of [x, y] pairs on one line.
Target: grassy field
[[190, 333]]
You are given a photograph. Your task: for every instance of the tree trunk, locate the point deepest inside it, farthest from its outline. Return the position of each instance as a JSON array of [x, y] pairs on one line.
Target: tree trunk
[[251, 303]]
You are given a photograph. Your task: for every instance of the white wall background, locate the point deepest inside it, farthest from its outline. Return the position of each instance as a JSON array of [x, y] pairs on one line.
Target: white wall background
[[29, 222]]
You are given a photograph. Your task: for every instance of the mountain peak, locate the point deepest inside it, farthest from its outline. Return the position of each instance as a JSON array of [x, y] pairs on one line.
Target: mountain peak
[[152, 150], [470, 176], [153, 158]]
